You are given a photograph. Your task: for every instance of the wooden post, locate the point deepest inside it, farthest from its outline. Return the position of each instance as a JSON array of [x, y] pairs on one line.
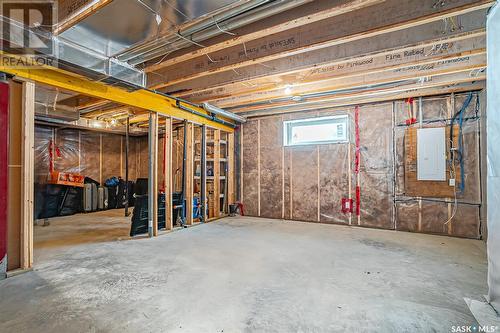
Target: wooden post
[[203, 173], [230, 169], [189, 176], [168, 175], [217, 172], [27, 179], [153, 175]]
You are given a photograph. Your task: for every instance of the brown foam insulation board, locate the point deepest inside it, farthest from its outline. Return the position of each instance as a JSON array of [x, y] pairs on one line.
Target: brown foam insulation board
[[67, 141], [472, 190], [434, 217], [400, 161], [376, 200], [466, 222], [160, 162], [287, 183], [407, 214], [250, 168], [90, 154], [143, 157], [333, 181], [111, 155], [305, 183], [376, 178], [271, 173], [132, 158]]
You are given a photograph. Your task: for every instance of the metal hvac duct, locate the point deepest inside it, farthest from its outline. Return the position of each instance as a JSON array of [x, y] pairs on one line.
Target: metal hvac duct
[[248, 13], [216, 110]]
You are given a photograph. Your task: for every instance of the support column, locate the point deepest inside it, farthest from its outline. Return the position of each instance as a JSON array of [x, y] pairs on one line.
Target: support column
[[230, 169], [127, 147], [4, 173], [217, 172], [203, 176], [168, 172], [20, 175], [153, 175], [188, 177]]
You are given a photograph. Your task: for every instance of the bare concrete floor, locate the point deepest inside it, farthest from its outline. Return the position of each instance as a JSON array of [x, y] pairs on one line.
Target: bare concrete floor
[[256, 275]]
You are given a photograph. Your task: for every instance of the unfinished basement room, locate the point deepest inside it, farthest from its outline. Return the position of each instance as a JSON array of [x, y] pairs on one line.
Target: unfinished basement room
[[249, 166]]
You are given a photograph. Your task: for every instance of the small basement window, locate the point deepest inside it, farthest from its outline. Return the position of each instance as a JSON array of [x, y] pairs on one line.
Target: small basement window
[[315, 131]]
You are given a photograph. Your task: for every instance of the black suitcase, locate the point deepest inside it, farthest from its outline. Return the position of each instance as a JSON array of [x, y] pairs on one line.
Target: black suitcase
[[112, 197], [121, 194]]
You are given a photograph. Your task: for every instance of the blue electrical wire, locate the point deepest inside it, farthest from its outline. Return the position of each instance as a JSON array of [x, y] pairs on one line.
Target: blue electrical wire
[[460, 140]]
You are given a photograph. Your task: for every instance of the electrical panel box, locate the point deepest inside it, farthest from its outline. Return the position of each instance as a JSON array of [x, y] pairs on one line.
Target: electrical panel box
[[431, 154]]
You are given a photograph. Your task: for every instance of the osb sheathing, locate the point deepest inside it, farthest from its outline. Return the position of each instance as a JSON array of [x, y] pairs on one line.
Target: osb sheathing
[[310, 182]]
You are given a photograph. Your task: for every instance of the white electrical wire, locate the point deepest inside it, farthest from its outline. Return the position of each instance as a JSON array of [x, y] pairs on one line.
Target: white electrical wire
[[453, 176]]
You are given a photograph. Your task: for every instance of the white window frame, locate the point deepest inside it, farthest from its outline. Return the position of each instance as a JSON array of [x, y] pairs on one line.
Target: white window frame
[[289, 124]]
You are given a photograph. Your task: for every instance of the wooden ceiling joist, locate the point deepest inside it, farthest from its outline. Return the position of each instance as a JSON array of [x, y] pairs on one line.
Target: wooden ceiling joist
[[462, 63], [293, 68], [417, 55], [367, 98], [360, 24], [447, 81], [312, 12]]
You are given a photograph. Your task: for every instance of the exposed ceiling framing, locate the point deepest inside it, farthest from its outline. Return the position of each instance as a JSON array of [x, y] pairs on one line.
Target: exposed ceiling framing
[[312, 54]]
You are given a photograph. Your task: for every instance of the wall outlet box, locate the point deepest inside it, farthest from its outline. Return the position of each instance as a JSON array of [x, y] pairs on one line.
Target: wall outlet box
[[452, 182]]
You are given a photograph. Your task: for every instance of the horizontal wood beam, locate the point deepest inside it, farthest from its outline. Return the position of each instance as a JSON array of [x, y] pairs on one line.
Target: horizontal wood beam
[[360, 24], [141, 98], [417, 54], [369, 98], [446, 80], [292, 68], [467, 62]]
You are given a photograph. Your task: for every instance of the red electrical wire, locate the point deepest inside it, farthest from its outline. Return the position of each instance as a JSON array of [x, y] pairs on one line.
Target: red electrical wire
[[357, 160]]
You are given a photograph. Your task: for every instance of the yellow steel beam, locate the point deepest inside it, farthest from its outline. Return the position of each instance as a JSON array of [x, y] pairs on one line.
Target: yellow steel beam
[[140, 98]]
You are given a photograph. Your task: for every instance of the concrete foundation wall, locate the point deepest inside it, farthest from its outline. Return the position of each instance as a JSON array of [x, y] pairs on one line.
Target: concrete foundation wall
[[308, 183]]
